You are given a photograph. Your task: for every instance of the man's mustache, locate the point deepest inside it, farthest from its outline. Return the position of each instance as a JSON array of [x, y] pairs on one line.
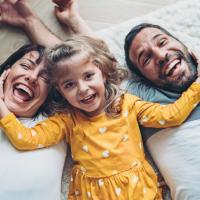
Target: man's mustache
[[168, 57]]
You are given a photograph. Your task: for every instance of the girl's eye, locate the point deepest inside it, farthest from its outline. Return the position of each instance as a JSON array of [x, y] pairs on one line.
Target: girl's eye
[[89, 76], [69, 85]]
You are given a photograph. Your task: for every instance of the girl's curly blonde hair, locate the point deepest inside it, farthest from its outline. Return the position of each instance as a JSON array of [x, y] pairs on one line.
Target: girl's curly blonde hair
[[94, 50]]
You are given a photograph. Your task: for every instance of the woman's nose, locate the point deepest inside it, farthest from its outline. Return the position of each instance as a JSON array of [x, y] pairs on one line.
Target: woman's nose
[[31, 78]]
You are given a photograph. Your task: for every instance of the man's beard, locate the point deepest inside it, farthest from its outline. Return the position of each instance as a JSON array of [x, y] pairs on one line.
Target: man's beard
[[180, 85]]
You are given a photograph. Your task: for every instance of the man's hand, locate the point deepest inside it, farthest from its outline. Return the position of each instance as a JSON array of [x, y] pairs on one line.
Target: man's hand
[[15, 12], [66, 11], [196, 57]]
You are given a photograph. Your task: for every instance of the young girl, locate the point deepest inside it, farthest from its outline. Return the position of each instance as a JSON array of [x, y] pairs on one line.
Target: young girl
[[100, 122]]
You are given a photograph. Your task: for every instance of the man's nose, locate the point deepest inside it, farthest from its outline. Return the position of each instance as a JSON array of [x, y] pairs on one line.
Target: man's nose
[[160, 56]]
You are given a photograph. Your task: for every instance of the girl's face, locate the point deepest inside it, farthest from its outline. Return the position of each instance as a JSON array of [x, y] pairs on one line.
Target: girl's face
[[82, 85], [26, 87]]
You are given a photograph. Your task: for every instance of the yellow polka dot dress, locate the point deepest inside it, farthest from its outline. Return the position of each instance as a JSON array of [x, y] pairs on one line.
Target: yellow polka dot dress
[[108, 152]]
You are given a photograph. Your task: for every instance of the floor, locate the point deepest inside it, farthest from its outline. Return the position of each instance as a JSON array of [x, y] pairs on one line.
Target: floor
[[99, 14]]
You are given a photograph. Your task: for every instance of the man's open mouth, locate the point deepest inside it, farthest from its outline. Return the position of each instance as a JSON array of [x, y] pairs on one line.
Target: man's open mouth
[[171, 67], [22, 92]]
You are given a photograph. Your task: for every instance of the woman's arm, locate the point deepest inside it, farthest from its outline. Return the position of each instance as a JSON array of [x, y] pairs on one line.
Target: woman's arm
[[18, 13]]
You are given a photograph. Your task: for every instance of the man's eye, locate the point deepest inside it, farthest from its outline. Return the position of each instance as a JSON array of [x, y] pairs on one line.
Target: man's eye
[[146, 60], [162, 42]]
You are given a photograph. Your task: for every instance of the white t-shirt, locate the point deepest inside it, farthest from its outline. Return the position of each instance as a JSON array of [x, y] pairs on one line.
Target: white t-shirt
[[30, 175]]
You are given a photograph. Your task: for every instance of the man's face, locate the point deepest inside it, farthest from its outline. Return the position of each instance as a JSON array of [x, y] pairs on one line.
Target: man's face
[[162, 59]]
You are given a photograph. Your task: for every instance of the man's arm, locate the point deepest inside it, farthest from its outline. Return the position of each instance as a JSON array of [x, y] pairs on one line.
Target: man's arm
[[18, 13], [67, 13]]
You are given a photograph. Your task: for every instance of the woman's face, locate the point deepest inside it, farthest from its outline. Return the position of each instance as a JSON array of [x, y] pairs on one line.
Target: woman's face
[[26, 86]]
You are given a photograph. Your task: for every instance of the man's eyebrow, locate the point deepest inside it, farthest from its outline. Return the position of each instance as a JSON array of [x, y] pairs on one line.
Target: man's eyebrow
[[156, 36]]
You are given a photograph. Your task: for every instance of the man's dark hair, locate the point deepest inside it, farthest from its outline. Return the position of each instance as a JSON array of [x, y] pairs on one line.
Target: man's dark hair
[[18, 54], [131, 36]]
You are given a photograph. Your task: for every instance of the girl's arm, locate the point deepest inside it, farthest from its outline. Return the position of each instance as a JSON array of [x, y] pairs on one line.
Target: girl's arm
[[44, 134], [163, 116]]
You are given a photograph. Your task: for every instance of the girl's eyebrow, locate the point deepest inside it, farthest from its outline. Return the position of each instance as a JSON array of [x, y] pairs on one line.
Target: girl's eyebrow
[[66, 81]]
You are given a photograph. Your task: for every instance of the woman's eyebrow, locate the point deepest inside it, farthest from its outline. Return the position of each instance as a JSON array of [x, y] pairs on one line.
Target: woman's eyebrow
[[31, 61]]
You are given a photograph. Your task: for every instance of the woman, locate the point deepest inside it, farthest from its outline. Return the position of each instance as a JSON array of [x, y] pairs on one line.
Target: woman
[[26, 94]]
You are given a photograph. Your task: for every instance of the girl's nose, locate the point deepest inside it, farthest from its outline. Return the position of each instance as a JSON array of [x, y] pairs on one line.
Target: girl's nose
[[83, 88]]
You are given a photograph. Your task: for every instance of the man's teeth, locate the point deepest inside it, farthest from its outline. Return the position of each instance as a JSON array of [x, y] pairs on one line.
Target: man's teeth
[[25, 89], [171, 66]]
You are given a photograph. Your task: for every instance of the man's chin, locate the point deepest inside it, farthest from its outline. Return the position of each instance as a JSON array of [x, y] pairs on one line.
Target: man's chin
[[177, 87]]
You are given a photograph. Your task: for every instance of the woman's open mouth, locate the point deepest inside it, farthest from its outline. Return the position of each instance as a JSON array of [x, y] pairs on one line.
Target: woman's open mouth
[[23, 92]]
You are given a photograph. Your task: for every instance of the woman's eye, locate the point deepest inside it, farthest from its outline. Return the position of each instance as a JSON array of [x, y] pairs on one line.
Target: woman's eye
[[25, 66], [45, 78]]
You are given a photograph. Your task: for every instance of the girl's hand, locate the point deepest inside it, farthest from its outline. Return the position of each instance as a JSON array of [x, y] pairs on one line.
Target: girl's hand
[[2, 81]]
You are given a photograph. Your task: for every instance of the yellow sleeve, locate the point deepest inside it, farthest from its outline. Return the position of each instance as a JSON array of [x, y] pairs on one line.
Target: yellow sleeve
[[163, 116], [44, 134]]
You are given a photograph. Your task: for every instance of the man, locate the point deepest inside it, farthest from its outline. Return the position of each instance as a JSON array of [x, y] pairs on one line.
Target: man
[[171, 72], [165, 63]]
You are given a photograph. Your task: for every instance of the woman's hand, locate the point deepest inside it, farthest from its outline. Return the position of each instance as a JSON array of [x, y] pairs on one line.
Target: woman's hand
[[15, 13], [2, 81], [3, 108]]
